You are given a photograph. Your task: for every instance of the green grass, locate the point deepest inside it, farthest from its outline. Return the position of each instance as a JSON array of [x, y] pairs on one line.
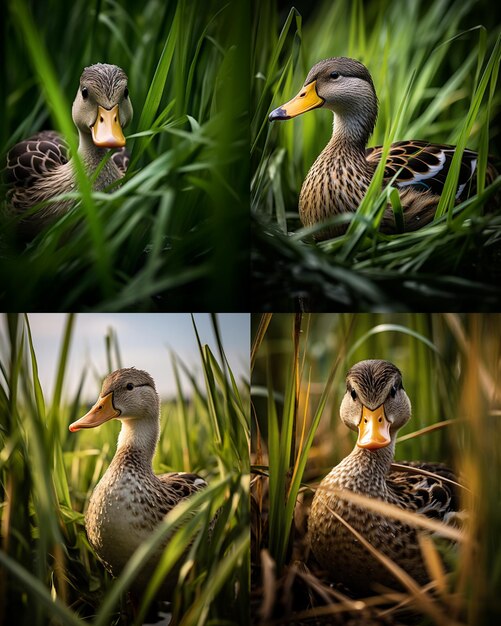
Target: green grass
[[435, 68], [163, 239], [48, 572], [450, 367]]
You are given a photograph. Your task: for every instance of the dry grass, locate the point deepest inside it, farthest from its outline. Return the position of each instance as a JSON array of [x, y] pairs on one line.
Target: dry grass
[[456, 403]]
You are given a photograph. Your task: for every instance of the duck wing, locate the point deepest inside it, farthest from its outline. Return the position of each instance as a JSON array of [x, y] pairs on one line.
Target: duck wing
[[44, 152], [424, 166], [182, 484], [34, 157], [431, 489]]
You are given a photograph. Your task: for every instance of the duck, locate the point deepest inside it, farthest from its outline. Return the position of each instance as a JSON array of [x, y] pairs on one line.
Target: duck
[[40, 168], [338, 179], [376, 406], [130, 500]]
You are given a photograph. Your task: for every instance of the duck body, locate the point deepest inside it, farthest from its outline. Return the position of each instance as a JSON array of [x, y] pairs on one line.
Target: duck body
[[376, 405], [338, 180], [40, 168], [126, 505], [130, 500]]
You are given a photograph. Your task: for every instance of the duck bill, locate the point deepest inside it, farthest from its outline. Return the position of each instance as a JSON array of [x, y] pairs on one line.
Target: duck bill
[[101, 412], [306, 100], [374, 429], [106, 131]]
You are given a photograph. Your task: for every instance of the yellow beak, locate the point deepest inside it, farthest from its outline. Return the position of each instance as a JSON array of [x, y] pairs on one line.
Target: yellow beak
[[107, 132], [306, 100], [101, 412], [374, 429]]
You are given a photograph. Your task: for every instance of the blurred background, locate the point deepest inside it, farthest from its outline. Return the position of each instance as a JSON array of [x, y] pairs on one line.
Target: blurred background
[[144, 341], [427, 60], [182, 211], [451, 368], [51, 370]]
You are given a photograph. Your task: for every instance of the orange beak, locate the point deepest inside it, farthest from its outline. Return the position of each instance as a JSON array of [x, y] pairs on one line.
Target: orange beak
[[107, 132], [374, 429], [306, 100], [101, 412]]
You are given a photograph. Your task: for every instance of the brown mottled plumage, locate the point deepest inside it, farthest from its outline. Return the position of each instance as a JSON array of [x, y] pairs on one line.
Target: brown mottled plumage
[[339, 178], [376, 405], [39, 168], [130, 500]]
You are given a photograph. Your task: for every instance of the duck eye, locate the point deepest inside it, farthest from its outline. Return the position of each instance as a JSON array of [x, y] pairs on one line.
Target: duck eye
[[353, 394], [130, 386], [85, 93], [393, 391], [126, 93], [335, 75]]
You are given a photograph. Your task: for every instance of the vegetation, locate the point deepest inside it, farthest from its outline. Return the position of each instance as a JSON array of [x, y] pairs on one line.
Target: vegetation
[[451, 370], [435, 67], [163, 239], [48, 572]]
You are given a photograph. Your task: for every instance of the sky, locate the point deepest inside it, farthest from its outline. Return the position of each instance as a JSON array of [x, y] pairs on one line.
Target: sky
[[144, 341]]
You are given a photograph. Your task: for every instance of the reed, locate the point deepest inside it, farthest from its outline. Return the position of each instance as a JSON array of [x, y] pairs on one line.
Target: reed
[[451, 369], [160, 242], [48, 572], [435, 68]]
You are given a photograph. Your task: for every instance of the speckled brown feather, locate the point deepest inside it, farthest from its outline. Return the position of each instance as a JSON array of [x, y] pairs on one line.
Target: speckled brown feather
[[130, 500], [339, 178], [35, 156], [369, 472], [40, 168]]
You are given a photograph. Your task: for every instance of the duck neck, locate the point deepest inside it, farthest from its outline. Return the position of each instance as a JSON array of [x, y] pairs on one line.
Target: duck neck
[[350, 133], [139, 437], [368, 469], [92, 156], [340, 176]]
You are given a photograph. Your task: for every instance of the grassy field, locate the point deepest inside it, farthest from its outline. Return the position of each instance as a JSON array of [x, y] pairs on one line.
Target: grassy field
[[163, 240], [451, 372], [48, 573], [435, 68]]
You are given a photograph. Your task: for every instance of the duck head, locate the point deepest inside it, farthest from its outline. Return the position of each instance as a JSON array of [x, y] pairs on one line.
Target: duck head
[[340, 84], [102, 106], [375, 403], [128, 395]]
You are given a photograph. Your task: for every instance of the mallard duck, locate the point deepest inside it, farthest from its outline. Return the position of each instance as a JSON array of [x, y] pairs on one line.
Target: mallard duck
[[340, 176], [130, 500], [376, 405], [38, 168]]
